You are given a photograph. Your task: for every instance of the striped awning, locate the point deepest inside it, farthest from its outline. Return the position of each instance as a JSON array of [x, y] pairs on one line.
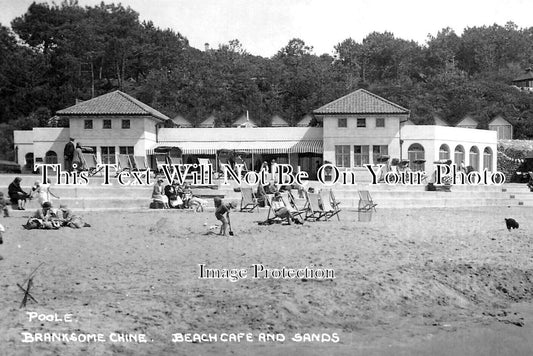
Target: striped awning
[[312, 146], [269, 147]]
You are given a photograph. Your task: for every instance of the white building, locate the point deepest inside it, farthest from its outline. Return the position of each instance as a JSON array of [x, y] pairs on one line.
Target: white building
[[357, 129]]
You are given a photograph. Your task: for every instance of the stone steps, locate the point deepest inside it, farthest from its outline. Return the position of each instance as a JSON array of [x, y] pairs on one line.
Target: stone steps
[[96, 197]]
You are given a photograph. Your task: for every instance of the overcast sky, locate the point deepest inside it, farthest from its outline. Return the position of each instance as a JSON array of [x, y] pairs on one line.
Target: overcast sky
[[265, 26]]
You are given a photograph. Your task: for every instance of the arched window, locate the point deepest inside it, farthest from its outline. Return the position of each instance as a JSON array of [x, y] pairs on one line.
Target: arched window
[[416, 156], [444, 152], [474, 158], [50, 157], [458, 156], [29, 161], [487, 159]]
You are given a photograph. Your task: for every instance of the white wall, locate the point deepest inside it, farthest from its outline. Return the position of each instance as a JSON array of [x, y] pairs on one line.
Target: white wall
[[431, 137], [365, 136]]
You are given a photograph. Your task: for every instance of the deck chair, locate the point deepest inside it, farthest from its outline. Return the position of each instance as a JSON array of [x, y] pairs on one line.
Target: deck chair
[[271, 218], [124, 163], [248, 199], [172, 160], [160, 160], [329, 208], [291, 206], [365, 201], [140, 163], [92, 163], [314, 210], [204, 162]]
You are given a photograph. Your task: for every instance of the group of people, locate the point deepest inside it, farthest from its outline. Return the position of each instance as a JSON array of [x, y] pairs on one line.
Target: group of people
[[74, 159], [175, 196], [50, 219], [45, 217], [18, 197]]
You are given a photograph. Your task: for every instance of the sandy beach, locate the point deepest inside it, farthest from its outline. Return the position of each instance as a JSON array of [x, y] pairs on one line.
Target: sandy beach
[[420, 281]]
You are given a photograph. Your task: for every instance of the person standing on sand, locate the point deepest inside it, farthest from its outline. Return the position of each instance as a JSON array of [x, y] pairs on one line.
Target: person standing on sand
[[68, 154], [222, 209]]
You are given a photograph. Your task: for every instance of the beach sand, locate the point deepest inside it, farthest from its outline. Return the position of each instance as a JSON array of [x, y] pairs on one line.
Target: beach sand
[[412, 282]]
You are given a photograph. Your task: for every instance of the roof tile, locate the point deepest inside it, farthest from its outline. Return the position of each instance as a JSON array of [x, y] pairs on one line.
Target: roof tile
[[114, 103], [361, 102]]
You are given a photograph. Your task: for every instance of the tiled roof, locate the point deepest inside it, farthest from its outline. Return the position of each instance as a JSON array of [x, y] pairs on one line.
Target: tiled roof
[[114, 103], [361, 102]]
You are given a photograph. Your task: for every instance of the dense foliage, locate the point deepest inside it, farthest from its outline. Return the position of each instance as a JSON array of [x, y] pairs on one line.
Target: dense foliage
[[55, 54]]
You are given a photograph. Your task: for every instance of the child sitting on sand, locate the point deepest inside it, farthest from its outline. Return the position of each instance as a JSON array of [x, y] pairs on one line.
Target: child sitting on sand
[[222, 209]]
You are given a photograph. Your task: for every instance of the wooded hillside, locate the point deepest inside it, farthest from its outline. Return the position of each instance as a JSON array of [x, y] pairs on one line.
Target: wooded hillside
[[55, 54]]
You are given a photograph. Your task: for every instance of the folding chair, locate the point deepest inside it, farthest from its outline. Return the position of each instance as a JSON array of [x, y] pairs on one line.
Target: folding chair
[[124, 163], [248, 199], [290, 204], [272, 218], [365, 201], [334, 201], [204, 163], [160, 160], [330, 209], [172, 160], [314, 210], [92, 163], [140, 163]]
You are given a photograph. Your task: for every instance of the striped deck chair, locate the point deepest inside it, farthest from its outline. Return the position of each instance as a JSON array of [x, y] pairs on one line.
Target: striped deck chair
[[248, 199], [204, 163], [172, 160], [92, 163], [272, 218], [124, 163], [365, 201], [290, 204], [140, 163], [314, 209], [329, 208], [160, 160]]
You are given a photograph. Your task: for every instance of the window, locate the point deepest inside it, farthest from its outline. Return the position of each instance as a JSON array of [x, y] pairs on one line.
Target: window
[[459, 156], [416, 156], [487, 159], [474, 158], [361, 155], [380, 122], [361, 122], [107, 124], [126, 124], [378, 151], [125, 150], [342, 122], [342, 156], [444, 152], [108, 155], [50, 157], [88, 124]]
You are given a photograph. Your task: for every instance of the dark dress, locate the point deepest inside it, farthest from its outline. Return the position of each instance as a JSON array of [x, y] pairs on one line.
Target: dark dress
[[16, 193]]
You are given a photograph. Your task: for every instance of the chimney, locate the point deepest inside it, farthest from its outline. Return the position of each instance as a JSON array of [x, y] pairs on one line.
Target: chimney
[[206, 46]]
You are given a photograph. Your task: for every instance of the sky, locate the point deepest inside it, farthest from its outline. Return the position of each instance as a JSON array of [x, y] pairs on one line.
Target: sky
[[265, 26]]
